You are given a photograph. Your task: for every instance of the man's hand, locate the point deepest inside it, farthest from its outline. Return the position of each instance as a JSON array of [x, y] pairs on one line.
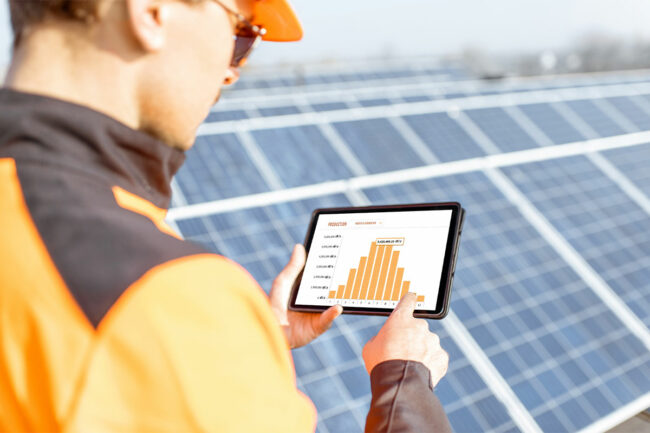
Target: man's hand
[[300, 328], [405, 337]]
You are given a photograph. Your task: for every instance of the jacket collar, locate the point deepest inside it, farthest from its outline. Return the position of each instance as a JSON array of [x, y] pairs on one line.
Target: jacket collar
[[81, 135]]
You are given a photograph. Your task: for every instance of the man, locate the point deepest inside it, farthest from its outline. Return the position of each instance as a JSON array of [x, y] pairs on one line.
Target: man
[[109, 321]]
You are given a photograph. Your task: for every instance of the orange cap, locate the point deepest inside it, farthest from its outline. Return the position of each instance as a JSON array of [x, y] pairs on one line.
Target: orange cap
[[279, 20]]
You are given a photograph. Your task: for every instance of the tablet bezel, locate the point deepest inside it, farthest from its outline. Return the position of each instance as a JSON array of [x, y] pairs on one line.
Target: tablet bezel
[[448, 267]]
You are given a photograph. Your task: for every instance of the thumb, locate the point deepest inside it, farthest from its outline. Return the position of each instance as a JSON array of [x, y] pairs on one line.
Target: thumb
[[298, 256], [405, 307], [296, 263], [326, 318]]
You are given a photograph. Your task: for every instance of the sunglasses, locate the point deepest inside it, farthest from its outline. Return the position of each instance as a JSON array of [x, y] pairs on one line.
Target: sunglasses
[[246, 37]]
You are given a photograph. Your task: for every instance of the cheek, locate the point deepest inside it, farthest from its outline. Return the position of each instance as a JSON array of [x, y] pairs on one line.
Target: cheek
[[187, 78], [209, 61]]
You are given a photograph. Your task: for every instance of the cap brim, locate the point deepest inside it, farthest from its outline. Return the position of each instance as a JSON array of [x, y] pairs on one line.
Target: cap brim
[[279, 20]]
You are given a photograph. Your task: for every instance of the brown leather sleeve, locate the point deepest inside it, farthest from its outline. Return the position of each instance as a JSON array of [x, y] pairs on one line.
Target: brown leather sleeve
[[403, 400]]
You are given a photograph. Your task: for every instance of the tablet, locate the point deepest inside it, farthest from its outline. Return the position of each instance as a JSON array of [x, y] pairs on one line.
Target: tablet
[[367, 258]]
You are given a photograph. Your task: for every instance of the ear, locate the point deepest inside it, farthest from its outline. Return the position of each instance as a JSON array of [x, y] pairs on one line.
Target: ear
[[147, 19]]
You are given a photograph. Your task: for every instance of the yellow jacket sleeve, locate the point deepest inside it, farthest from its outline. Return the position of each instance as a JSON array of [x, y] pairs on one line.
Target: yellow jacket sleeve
[[192, 346]]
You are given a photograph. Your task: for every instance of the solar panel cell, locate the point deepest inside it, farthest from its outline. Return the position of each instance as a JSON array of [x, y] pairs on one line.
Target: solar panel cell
[[222, 116], [631, 111], [417, 98], [634, 162], [554, 125], [444, 137], [301, 155], [602, 124], [329, 106], [344, 422], [501, 129], [373, 140], [278, 111], [375, 102], [216, 168]]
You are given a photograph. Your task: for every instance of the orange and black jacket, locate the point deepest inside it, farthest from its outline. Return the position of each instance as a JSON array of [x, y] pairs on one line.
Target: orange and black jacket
[[110, 322]]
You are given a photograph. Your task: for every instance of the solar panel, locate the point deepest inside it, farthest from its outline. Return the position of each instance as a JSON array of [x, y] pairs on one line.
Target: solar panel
[[220, 116], [373, 140], [594, 116], [556, 127], [501, 129], [331, 370], [217, 168], [444, 137], [606, 227], [633, 110], [634, 162], [549, 319], [301, 155], [540, 340]]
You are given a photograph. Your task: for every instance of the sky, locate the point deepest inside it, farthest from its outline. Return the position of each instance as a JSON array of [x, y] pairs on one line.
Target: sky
[[358, 29]]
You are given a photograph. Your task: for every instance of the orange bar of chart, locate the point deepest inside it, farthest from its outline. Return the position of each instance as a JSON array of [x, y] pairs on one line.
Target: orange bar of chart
[[368, 271], [384, 270], [357, 281], [348, 285], [375, 272], [376, 278], [397, 286], [405, 289], [391, 277]]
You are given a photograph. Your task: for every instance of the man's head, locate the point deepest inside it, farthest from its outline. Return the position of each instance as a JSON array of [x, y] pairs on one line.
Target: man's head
[[157, 64]]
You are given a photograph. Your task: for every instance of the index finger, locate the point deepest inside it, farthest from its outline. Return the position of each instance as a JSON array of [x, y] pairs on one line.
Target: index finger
[[405, 307]]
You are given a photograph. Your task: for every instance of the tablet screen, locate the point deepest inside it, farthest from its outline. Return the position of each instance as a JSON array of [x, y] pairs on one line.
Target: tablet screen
[[370, 260]]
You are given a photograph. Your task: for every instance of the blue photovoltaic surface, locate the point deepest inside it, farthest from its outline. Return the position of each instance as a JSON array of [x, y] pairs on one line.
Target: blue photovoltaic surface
[[454, 95], [554, 125], [329, 106], [605, 226], [595, 118], [501, 129], [253, 236], [444, 137], [632, 111], [634, 161], [301, 155], [331, 370], [222, 116], [417, 98], [374, 102], [359, 78], [563, 352], [278, 111], [260, 239], [218, 167], [372, 141], [342, 393]]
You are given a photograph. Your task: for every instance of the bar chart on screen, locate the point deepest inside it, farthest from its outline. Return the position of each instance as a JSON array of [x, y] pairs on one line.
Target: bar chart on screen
[[372, 260], [387, 282]]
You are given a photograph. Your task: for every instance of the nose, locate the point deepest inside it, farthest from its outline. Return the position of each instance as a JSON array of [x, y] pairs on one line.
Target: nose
[[232, 75]]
